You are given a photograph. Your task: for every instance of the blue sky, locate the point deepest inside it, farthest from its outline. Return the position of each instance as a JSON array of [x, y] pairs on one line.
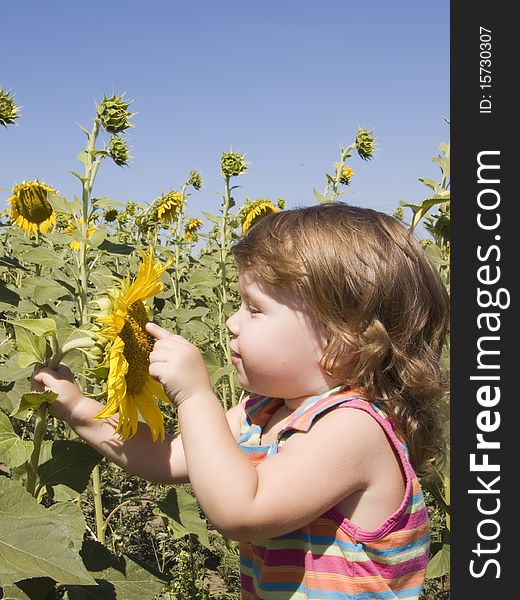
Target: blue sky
[[286, 83]]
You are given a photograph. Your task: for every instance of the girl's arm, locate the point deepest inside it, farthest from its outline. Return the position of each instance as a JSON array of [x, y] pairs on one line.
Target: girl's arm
[[341, 455], [160, 461]]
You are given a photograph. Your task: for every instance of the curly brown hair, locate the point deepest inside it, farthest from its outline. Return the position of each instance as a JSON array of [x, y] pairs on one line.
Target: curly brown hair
[[386, 309]]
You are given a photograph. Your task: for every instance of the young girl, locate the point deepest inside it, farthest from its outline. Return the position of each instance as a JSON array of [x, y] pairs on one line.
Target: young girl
[[337, 339]]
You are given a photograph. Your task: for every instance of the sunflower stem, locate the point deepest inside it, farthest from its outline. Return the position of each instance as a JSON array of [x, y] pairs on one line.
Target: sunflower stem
[[223, 332], [98, 505], [39, 433], [91, 167], [178, 245]]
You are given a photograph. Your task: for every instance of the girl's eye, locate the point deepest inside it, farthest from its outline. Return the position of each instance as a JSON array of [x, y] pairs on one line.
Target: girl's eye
[[253, 310]]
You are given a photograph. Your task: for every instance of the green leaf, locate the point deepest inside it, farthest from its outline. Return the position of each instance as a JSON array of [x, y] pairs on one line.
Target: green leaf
[[112, 248], [182, 508], [13, 450], [217, 375], [42, 256], [37, 588], [11, 370], [34, 400], [61, 204], [104, 202], [439, 565], [31, 348], [211, 217], [71, 463], [48, 290], [121, 577], [319, 196], [34, 542], [8, 296], [39, 327], [72, 514], [429, 182]]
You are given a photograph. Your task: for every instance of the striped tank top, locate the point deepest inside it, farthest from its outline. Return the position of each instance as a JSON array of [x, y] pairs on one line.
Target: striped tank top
[[331, 558]]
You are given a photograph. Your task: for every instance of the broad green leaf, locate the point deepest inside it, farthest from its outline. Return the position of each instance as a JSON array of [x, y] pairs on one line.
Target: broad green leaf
[[8, 297], [48, 290], [11, 370], [118, 577], [40, 327], [217, 375], [183, 509], [42, 256], [34, 400], [211, 217], [114, 248], [34, 542], [439, 565], [75, 519], [13, 450], [186, 314], [104, 202], [71, 463], [97, 238], [61, 204], [31, 349], [37, 588]]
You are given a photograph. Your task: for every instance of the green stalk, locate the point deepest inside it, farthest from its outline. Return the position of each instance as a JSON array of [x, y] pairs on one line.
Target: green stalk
[[91, 167], [39, 433], [98, 505], [178, 244], [40, 427], [223, 332]]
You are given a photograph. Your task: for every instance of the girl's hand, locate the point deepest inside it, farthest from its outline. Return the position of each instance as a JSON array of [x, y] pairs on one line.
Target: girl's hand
[[178, 365], [62, 383]]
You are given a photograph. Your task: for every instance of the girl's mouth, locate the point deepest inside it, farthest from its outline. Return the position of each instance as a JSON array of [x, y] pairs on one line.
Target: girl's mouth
[[235, 357]]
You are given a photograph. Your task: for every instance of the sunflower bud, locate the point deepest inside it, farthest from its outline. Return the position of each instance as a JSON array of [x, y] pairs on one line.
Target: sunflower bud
[[365, 144], [399, 213], [113, 114], [195, 179], [346, 175], [110, 215], [8, 109], [118, 151], [232, 164], [281, 203]]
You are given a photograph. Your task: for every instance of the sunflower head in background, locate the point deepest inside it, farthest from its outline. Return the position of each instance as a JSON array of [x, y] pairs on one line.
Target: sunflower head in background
[[169, 207], [30, 209], [252, 212], [130, 389]]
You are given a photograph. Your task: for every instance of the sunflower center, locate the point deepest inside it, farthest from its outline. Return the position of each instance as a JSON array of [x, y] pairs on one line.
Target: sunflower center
[[138, 345], [33, 204]]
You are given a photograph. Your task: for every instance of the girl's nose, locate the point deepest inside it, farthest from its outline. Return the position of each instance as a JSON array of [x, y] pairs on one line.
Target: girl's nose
[[232, 324]]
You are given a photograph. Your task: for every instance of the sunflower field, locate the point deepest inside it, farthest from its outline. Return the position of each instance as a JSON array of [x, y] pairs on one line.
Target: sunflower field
[[79, 279]]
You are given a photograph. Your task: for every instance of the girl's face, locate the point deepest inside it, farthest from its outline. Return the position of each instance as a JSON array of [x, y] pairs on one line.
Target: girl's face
[[276, 342]]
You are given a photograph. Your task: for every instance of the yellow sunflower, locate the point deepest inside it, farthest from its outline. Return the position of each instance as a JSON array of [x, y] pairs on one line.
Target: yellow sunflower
[[75, 245], [30, 209], [169, 206], [254, 211], [191, 228], [130, 389]]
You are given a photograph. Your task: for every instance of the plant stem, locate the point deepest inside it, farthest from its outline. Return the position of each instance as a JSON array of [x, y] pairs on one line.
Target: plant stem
[[223, 332], [39, 433], [98, 505], [91, 167]]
